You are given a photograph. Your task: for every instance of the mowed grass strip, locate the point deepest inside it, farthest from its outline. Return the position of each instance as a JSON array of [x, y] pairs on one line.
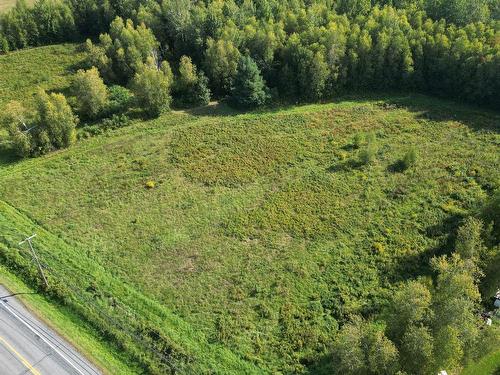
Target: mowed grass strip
[[263, 231], [135, 327]]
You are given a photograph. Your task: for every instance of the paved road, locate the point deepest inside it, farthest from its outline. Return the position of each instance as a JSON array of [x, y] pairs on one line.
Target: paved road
[[29, 347]]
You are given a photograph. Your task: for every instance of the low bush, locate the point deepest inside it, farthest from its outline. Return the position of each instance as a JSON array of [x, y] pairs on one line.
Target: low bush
[[368, 154], [115, 121], [120, 99], [358, 140], [409, 159]]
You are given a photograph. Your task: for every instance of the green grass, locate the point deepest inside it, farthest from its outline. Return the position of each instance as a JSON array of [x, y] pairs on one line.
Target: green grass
[[49, 68], [7, 4], [488, 365], [263, 231]]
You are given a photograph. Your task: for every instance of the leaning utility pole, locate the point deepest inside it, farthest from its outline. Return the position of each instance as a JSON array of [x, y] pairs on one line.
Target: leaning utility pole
[[35, 257]]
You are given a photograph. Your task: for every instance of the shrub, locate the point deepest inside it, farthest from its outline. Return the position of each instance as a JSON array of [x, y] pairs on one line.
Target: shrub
[[371, 138], [120, 99], [368, 154], [50, 127], [91, 93], [409, 159], [358, 140], [151, 87], [116, 121]]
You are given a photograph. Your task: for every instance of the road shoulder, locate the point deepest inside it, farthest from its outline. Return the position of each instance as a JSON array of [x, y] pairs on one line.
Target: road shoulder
[[60, 319]]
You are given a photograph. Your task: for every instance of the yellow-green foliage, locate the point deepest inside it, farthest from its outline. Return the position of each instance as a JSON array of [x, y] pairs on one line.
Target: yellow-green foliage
[[151, 87], [50, 68], [7, 4], [90, 91], [253, 234], [50, 127]]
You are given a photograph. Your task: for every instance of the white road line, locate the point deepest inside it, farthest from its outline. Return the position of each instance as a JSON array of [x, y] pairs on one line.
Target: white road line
[[41, 337]]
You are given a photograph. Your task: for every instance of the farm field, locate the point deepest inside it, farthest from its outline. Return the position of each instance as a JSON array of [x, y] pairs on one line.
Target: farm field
[[7, 4], [245, 239]]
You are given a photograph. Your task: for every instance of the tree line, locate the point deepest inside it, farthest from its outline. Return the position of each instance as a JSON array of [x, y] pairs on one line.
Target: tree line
[[303, 51], [184, 52]]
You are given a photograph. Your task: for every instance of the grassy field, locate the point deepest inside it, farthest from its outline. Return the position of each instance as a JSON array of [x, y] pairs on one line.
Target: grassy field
[[49, 68], [7, 4], [489, 365], [263, 231]]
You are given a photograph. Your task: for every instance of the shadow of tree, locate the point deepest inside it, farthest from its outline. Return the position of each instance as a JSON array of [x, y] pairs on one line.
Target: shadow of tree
[[416, 265], [441, 110], [7, 156], [213, 109], [397, 167], [345, 166]]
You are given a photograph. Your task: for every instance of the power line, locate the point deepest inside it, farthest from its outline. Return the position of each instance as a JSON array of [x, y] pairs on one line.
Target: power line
[[35, 257], [93, 307]]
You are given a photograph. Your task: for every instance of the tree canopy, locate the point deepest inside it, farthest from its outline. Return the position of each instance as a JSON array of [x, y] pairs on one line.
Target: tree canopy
[[307, 53]]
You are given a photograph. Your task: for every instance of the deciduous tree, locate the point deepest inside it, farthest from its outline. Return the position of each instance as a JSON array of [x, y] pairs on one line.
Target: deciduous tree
[[91, 93]]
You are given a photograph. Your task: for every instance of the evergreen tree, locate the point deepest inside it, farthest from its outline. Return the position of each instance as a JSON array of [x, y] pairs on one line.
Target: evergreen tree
[[249, 89]]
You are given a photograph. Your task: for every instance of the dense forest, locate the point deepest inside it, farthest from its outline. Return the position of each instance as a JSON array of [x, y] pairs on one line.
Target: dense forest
[[299, 50]]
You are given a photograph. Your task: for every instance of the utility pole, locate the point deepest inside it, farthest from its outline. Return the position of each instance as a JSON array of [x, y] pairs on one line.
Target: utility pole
[[35, 257]]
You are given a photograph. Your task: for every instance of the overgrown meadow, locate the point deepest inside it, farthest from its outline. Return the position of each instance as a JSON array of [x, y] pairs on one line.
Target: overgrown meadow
[[246, 239]]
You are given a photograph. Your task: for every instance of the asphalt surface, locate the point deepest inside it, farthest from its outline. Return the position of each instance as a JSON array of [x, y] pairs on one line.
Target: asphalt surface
[[29, 347]]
